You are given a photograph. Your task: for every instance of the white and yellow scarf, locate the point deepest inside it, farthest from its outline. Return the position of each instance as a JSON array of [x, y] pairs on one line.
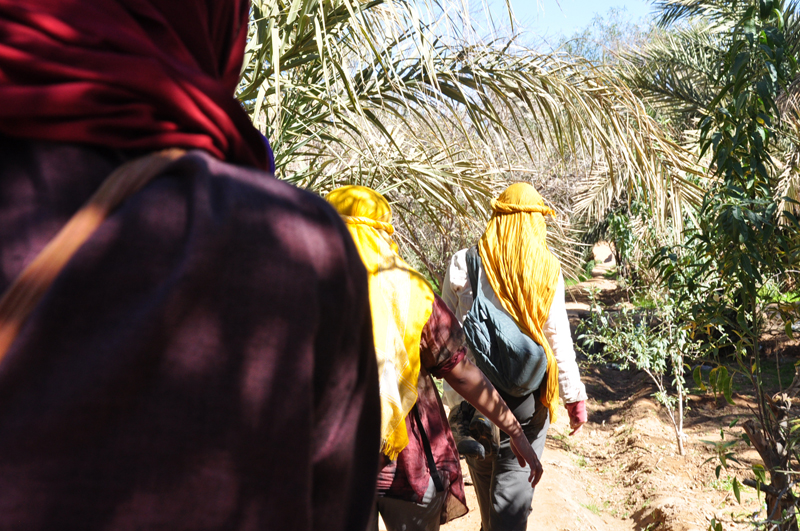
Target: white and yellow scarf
[[401, 302]]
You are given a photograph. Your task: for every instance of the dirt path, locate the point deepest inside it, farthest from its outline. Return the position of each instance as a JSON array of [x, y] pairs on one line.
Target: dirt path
[[565, 500], [622, 472]]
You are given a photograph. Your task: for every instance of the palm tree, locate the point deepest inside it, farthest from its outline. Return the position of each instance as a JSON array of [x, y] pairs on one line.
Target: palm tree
[[403, 96], [677, 73], [730, 63]]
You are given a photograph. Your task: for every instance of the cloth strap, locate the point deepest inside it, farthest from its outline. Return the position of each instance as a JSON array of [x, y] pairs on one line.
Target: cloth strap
[[29, 287], [437, 479], [374, 223], [499, 207]]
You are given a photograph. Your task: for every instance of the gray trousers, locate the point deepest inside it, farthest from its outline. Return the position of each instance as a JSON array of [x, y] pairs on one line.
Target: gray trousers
[[401, 515], [504, 493]]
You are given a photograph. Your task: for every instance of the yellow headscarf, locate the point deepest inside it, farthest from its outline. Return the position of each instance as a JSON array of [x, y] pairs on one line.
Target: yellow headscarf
[[522, 271], [401, 302]]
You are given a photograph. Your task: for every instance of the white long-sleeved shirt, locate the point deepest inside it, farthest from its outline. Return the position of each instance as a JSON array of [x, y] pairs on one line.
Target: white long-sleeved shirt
[[457, 294]]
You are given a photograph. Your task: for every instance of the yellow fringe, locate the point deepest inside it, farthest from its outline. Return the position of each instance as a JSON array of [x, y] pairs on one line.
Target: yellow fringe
[[522, 271], [401, 301]]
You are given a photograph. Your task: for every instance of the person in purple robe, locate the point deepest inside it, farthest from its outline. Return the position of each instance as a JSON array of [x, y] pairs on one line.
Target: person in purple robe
[[204, 360]]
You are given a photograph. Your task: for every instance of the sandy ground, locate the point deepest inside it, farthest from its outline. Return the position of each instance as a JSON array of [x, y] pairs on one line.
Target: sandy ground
[[622, 472]]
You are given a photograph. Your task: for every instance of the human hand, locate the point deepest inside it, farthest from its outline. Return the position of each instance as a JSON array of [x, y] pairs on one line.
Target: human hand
[[577, 415], [525, 454]]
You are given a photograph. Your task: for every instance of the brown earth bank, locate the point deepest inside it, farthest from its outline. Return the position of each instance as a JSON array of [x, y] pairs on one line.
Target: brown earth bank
[[622, 472]]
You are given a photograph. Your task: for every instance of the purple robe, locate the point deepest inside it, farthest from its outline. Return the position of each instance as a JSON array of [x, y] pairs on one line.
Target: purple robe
[[204, 361]]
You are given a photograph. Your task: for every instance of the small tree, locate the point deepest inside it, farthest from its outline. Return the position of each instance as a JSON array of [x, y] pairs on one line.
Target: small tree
[[743, 240], [652, 341]]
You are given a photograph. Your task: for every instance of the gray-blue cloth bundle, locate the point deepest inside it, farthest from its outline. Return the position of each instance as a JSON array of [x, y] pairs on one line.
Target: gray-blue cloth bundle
[[512, 360]]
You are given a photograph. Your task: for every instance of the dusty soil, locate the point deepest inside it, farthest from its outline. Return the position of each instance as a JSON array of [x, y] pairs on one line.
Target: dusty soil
[[622, 472]]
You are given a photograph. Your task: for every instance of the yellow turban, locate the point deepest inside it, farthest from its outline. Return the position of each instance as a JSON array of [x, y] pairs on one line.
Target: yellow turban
[[522, 271], [401, 302]]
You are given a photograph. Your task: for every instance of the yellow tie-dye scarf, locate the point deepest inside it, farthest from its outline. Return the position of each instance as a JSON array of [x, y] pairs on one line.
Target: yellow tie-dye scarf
[[401, 302], [522, 271]]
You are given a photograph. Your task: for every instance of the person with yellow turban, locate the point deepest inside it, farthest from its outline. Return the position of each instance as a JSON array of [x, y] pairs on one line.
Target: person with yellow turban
[[416, 336], [519, 276]]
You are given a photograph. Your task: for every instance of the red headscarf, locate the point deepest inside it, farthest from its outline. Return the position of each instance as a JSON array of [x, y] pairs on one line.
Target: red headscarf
[[130, 74]]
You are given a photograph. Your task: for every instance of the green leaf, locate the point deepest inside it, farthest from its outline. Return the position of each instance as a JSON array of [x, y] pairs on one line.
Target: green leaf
[[738, 63], [697, 375], [760, 473], [726, 383], [713, 379], [736, 490], [742, 322]]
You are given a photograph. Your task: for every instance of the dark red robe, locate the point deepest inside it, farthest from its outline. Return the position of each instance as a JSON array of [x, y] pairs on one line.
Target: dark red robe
[[205, 361]]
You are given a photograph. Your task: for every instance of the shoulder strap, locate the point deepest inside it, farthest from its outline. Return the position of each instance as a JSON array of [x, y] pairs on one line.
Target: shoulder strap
[[437, 479], [29, 287], [473, 269]]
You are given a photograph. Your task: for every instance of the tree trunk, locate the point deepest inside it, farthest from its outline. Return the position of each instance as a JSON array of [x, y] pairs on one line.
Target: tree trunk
[[679, 428], [679, 437], [681, 392], [778, 495]]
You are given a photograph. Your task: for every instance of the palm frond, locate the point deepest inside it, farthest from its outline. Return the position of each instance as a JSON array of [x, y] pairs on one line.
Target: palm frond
[[713, 11], [788, 181], [676, 71], [396, 95]]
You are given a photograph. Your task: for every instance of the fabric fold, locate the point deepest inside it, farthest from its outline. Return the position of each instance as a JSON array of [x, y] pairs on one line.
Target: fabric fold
[[522, 271], [138, 75], [401, 302]]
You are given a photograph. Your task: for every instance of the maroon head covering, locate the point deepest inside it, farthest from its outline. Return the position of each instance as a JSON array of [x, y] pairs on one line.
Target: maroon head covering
[[130, 74]]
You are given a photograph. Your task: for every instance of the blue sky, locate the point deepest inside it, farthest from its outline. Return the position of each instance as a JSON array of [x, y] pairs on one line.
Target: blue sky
[[545, 18]]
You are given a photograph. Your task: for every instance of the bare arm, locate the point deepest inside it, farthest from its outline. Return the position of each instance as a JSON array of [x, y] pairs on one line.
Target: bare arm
[[468, 381]]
